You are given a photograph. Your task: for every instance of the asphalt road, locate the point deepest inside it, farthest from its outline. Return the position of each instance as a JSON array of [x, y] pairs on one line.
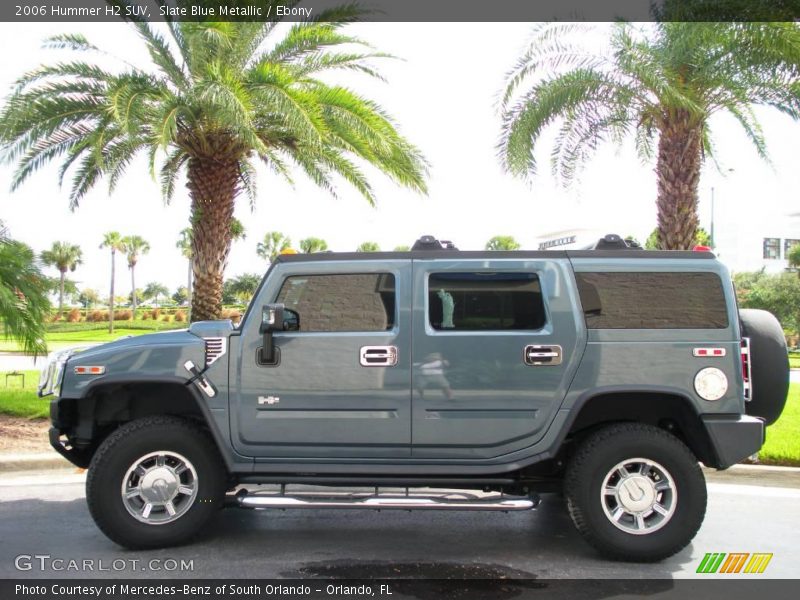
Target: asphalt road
[[46, 514]]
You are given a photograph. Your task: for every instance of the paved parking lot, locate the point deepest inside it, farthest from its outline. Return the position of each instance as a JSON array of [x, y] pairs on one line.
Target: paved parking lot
[[47, 514]]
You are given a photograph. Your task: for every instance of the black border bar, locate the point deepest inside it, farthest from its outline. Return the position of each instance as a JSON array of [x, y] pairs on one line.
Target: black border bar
[[73, 11]]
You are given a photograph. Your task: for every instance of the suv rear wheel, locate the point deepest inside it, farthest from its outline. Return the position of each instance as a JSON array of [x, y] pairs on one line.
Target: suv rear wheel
[[154, 482], [635, 492]]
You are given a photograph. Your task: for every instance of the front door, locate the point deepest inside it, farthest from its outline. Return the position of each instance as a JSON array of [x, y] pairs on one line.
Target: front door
[[341, 385], [494, 352]]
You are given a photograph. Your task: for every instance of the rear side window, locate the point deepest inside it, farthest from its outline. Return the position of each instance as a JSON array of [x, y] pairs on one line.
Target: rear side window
[[652, 300], [346, 302], [485, 301]]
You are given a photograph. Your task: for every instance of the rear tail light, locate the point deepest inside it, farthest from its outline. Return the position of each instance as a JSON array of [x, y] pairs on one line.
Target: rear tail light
[[748, 384]]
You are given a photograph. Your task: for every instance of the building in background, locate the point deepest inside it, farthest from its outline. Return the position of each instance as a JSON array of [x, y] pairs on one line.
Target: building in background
[[754, 245], [743, 245]]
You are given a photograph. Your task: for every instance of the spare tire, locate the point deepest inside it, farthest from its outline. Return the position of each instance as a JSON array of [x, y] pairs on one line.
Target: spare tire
[[769, 364]]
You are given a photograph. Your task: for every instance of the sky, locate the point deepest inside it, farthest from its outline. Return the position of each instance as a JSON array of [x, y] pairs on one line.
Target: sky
[[443, 95]]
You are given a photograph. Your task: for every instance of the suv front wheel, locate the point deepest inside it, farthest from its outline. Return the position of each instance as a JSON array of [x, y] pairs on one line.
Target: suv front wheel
[[155, 482], [635, 492]]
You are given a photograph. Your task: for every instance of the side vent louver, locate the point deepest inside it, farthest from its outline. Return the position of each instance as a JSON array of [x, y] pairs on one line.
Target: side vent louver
[[215, 347]]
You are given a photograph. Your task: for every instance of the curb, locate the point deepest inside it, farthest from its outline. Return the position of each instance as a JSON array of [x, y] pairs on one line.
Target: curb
[[39, 461], [758, 475]]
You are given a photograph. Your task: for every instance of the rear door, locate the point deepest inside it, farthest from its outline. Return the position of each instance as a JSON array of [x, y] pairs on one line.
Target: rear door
[[495, 346], [341, 387]]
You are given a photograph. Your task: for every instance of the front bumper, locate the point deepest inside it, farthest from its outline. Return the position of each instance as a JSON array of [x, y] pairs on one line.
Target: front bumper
[[63, 419], [734, 438]]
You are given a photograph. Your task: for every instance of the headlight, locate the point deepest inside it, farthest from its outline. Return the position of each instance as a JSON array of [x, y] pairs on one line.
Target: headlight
[[53, 372]]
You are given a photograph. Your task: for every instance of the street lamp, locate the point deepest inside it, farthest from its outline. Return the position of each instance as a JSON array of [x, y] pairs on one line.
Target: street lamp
[[711, 233]]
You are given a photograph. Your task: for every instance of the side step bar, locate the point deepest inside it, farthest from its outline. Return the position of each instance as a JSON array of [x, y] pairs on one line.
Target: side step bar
[[449, 501]]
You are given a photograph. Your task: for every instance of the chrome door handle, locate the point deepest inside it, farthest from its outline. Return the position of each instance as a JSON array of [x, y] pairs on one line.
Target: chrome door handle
[[378, 356], [541, 356]]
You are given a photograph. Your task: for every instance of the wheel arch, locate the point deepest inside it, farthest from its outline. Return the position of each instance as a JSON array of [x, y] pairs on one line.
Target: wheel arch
[[111, 401], [663, 407]]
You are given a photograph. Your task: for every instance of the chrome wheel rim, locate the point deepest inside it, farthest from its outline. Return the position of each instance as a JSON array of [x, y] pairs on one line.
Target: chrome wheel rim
[[159, 487], [638, 496]]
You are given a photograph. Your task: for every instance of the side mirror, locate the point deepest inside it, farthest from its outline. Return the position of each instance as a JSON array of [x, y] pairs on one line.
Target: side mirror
[[291, 320], [271, 320]]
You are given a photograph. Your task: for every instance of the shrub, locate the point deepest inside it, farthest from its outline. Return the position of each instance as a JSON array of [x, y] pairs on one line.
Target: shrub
[[74, 315], [156, 313], [123, 315], [145, 315], [166, 318], [97, 316], [180, 316], [233, 314]]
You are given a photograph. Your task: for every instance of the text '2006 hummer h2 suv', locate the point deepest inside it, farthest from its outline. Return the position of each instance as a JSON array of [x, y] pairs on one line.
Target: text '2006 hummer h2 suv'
[[607, 375]]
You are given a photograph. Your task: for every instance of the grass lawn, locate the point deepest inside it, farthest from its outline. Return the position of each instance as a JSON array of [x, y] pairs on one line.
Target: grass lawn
[[64, 335], [794, 360], [783, 438], [22, 402]]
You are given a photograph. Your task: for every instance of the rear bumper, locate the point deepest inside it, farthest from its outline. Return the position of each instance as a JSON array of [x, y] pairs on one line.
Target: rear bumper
[[734, 438]]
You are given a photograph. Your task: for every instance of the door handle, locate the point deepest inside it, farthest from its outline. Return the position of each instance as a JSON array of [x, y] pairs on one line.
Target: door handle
[[378, 356], [542, 356]]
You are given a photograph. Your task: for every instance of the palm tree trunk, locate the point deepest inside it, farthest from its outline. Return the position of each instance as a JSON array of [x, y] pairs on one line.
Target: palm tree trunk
[[111, 299], [61, 293], [213, 186], [678, 169], [133, 292], [189, 288]]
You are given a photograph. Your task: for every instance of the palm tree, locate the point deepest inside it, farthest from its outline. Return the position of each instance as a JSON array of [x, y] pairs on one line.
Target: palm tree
[[503, 242], [313, 244], [113, 241], [184, 244], [216, 98], [659, 83], [154, 290], [274, 243], [701, 238], [64, 257], [368, 247], [243, 287], [134, 246], [23, 295]]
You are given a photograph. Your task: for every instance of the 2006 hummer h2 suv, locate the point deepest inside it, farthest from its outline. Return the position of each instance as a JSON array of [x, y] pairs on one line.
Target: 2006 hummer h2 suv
[[605, 374]]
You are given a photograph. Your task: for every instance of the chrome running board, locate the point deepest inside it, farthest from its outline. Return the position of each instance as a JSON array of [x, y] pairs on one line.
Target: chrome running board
[[368, 501]]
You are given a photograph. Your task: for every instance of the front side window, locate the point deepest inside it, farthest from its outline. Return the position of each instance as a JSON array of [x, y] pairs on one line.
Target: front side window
[[341, 302], [788, 245], [485, 301], [772, 248]]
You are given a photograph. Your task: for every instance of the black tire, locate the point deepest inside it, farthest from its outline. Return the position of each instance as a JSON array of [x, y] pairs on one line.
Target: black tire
[[586, 477], [769, 364], [127, 445]]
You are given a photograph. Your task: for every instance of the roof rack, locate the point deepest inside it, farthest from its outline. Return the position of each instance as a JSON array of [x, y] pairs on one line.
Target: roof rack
[[428, 242], [612, 241]]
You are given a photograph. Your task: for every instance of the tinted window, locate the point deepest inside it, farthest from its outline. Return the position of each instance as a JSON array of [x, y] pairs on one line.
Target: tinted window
[[484, 301], [352, 302], [652, 300]]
